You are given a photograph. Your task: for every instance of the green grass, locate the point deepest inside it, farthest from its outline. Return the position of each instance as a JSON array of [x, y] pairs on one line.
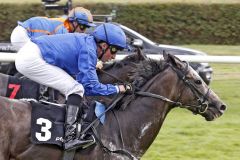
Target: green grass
[[130, 1], [217, 49], [188, 137]]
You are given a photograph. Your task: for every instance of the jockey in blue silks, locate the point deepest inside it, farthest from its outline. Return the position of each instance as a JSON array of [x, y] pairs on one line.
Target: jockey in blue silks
[[50, 60], [77, 20]]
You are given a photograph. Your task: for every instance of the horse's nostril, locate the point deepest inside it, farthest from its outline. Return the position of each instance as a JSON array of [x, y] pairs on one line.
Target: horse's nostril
[[223, 107]]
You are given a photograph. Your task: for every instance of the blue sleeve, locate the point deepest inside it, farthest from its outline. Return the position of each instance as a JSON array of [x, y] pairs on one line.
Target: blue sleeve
[[61, 30], [87, 75]]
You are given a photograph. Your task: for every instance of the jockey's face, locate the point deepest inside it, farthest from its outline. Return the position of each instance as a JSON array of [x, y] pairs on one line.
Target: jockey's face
[[108, 55], [78, 27]]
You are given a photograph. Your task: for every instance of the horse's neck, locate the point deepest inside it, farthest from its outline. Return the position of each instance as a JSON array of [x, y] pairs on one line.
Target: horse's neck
[[141, 121]]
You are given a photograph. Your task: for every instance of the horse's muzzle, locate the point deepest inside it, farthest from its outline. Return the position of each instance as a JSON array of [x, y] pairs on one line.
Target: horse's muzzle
[[214, 111]]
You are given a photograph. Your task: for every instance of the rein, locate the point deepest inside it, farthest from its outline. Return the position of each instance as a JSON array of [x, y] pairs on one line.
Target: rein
[[202, 101], [201, 106], [157, 96], [110, 75]]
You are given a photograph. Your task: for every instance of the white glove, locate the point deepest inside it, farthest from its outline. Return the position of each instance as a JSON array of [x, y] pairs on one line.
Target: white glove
[[99, 64]]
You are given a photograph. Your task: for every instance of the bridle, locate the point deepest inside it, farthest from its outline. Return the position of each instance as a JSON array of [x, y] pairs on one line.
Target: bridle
[[201, 98], [201, 107]]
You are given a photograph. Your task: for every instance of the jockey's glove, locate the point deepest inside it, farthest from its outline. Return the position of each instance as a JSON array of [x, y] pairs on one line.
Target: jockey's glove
[[99, 64], [129, 88]]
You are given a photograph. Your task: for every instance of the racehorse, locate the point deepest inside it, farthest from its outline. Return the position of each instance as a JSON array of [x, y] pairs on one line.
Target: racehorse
[[160, 87]]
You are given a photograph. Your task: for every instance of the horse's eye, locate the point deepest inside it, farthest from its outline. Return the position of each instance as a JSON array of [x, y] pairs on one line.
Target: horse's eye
[[198, 81]]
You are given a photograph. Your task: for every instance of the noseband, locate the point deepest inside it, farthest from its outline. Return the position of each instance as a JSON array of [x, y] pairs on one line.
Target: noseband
[[201, 98]]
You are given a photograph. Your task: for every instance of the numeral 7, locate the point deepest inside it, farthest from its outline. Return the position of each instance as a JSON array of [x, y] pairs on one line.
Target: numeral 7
[[15, 88]]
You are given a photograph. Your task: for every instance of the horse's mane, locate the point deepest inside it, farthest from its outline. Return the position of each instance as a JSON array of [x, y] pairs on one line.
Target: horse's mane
[[144, 71]]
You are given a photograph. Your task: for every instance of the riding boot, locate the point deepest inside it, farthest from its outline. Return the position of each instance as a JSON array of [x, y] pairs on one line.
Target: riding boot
[[74, 109]]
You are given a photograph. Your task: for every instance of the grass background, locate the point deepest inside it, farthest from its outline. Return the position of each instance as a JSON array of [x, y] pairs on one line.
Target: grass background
[[185, 136]]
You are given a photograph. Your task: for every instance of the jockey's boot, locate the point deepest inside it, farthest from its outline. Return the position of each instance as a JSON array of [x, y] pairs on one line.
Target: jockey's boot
[[74, 109]]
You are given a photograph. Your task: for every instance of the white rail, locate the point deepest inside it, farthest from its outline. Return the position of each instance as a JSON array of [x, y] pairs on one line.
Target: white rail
[[191, 58], [7, 57], [10, 57]]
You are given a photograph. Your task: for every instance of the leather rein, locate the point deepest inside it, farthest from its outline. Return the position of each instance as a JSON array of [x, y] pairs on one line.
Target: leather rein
[[202, 99], [201, 107]]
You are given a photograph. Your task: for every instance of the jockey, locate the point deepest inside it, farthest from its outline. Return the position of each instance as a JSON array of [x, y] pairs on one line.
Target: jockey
[[77, 21], [51, 60]]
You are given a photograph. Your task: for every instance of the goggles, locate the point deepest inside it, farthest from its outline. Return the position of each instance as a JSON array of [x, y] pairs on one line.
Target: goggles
[[82, 27], [114, 49]]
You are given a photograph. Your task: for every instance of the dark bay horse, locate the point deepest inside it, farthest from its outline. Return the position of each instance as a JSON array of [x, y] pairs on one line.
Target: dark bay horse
[[163, 86]]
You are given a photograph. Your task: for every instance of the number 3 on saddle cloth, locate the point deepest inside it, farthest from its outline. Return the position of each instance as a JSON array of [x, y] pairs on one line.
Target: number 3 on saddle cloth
[[47, 122]]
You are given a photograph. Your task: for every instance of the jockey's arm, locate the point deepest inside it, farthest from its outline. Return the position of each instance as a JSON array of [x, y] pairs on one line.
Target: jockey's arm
[[61, 30], [87, 76]]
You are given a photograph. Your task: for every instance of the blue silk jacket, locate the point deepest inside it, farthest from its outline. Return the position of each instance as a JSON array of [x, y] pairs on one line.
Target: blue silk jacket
[[38, 26], [76, 53]]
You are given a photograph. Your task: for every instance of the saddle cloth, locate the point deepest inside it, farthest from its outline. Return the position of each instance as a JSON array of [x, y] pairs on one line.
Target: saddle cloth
[[47, 122], [22, 88]]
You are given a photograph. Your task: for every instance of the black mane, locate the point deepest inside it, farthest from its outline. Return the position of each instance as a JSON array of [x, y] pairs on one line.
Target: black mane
[[145, 71]]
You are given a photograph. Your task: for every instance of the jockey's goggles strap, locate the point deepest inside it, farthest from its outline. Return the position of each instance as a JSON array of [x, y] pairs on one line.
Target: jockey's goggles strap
[[103, 51], [74, 27]]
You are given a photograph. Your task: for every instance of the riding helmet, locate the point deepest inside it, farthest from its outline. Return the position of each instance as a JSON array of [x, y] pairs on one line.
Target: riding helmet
[[82, 16], [111, 34]]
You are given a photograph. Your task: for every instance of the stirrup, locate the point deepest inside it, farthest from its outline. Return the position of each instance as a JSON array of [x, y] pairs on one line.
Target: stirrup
[[76, 143], [90, 143]]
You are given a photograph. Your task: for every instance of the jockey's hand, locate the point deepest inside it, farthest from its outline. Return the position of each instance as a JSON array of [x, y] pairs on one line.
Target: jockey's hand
[[99, 65], [129, 88], [126, 88]]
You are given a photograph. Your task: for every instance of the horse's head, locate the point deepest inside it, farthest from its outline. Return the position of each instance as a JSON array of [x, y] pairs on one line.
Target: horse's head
[[194, 94], [120, 69]]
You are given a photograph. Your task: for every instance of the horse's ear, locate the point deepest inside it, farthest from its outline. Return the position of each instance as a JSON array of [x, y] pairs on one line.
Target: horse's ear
[[165, 55], [141, 55], [175, 61]]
